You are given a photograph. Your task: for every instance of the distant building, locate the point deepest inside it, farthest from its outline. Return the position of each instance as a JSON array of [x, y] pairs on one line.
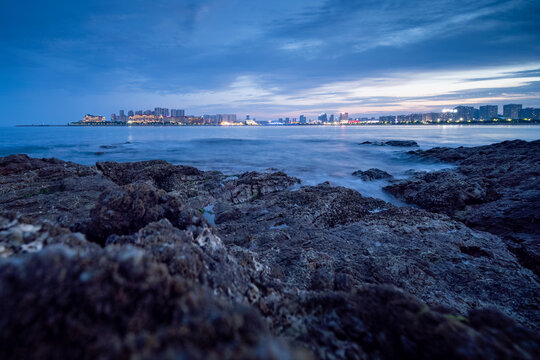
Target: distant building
[[343, 116], [332, 118], [177, 113], [148, 112], [488, 112], [323, 117], [138, 112], [131, 113], [161, 112], [431, 117], [511, 111], [449, 115], [303, 119], [464, 113], [529, 113], [93, 118], [388, 119]]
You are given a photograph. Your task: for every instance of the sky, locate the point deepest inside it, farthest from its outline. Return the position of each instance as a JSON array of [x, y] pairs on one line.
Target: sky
[[62, 59]]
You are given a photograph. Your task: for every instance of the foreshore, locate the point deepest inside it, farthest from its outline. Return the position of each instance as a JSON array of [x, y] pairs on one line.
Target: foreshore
[[150, 259]]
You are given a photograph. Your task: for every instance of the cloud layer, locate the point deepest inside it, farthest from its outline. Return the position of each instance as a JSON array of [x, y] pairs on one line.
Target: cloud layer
[[267, 58]]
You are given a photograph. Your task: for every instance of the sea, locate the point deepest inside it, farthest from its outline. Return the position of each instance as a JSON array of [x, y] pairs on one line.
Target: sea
[[314, 154]]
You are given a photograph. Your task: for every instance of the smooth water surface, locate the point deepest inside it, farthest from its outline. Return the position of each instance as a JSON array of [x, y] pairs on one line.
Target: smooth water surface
[[313, 153]]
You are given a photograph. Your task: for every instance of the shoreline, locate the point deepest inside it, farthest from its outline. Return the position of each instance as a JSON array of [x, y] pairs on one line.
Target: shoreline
[[498, 123], [284, 260]]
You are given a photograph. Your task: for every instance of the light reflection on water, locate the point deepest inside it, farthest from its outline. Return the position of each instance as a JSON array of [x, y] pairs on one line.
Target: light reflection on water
[[314, 154]]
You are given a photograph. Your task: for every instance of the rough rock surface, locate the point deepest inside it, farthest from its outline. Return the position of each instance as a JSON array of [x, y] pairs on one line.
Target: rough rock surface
[[400, 143], [118, 304], [494, 188], [372, 174], [321, 267], [325, 238]]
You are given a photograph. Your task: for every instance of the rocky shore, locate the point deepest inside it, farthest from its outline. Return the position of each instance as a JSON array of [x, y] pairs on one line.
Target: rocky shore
[[153, 260]]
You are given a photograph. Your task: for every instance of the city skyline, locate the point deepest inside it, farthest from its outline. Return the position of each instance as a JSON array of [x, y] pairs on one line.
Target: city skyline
[[269, 59]]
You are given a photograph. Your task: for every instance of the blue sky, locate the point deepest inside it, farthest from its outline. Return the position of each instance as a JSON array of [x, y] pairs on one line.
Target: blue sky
[[63, 59]]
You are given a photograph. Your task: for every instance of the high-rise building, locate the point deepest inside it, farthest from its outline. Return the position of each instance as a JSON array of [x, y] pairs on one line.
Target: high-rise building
[[161, 112], [121, 113], [247, 117], [343, 116], [148, 112], [529, 113], [464, 113], [431, 117], [177, 113], [488, 112], [138, 112], [389, 119], [131, 113], [332, 118], [511, 111], [323, 117], [303, 119]]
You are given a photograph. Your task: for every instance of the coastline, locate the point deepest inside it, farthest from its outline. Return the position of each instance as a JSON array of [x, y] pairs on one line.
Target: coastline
[[297, 260]]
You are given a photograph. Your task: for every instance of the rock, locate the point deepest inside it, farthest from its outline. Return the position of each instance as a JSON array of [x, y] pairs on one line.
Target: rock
[[251, 185], [372, 174], [50, 189], [324, 267], [401, 143], [127, 209], [118, 303], [202, 258], [354, 326], [314, 236], [494, 188]]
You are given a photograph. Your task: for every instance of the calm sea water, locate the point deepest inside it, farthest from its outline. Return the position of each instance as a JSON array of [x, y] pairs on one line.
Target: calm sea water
[[314, 154]]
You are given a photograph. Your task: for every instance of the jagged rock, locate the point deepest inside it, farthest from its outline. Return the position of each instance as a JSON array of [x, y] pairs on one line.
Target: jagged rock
[[118, 303], [494, 188], [250, 185], [401, 143], [355, 326], [316, 262], [125, 210], [19, 235], [372, 174], [325, 238], [62, 192], [202, 258]]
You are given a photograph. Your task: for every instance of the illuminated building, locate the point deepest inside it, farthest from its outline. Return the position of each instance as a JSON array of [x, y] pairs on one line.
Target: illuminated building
[[488, 112], [464, 113], [511, 111]]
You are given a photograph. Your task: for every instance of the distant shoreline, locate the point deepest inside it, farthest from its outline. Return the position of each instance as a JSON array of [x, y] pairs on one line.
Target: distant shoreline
[[499, 123]]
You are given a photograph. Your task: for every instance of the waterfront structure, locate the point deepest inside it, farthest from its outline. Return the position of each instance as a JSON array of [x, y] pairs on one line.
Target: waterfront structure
[[511, 111], [344, 116], [88, 118], [323, 117], [488, 112]]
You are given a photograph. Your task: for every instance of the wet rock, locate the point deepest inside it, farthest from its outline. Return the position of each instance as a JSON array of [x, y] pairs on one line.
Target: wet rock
[[400, 143], [19, 235], [494, 188], [125, 210], [324, 238], [372, 174], [50, 189], [354, 326], [118, 303], [202, 258], [251, 185]]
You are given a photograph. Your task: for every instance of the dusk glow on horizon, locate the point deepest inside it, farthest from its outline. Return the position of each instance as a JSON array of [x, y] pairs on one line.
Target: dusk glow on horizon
[[61, 60]]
